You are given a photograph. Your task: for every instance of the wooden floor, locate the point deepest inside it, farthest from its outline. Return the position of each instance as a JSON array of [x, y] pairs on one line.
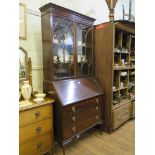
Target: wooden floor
[[120, 142]]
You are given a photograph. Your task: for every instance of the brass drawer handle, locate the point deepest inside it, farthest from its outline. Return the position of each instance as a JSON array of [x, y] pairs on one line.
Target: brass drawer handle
[[74, 129], [39, 145], [73, 118], [96, 101], [96, 108], [37, 114], [73, 109], [38, 129], [97, 118]]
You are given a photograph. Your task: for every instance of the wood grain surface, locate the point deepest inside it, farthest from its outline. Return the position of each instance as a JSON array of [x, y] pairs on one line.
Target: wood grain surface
[[119, 142]]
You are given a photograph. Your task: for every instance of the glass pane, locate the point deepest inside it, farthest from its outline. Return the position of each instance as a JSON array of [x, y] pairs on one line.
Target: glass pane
[[84, 50], [22, 65], [63, 48]]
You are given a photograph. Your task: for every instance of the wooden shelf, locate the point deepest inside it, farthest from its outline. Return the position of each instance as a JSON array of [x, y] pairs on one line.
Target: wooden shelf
[[132, 59], [122, 60], [122, 52], [116, 90], [123, 68], [123, 88]]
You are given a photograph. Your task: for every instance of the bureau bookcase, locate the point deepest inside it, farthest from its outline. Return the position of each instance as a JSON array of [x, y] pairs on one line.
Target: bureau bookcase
[[114, 52], [68, 67]]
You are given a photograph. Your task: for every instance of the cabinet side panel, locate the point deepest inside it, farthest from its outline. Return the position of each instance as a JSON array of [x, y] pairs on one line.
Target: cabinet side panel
[[47, 46], [103, 52]]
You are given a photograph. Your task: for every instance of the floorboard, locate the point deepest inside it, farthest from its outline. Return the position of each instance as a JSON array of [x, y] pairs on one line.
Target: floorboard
[[120, 142]]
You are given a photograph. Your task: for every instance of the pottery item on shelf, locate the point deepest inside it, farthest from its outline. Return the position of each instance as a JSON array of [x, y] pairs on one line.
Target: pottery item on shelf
[[123, 73], [40, 95], [61, 59], [71, 58], [79, 43], [84, 44], [67, 57], [38, 100], [83, 57], [116, 50], [26, 90], [60, 52], [79, 58], [116, 65], [122, 61], [55, 40], [55, 58], [121, 84]]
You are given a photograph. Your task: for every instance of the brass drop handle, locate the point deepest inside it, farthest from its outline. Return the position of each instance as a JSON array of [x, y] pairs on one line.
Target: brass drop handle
[[97, 118], [37, 114], [74, 129], [96, 101], [96, 108], [38, 129], [73, 109], [73, 118], [39, 145]]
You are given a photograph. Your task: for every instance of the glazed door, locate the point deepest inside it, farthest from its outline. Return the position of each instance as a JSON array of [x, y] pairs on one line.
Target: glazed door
[[63, 48], [84, 50], [72, 49]]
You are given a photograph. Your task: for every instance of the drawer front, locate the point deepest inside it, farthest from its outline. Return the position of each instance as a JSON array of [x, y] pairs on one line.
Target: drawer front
[[80, 106], [81, 121], [33, 130], [121, 115], [68, 132], [87, 122], [133, 109], [90, 112], [37, 146], [34, 115]]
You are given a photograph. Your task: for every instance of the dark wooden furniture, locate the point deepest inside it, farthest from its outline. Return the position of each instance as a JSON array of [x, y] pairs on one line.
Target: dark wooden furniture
[[68, 62], [67, 38], [78, 107], [114, 52]]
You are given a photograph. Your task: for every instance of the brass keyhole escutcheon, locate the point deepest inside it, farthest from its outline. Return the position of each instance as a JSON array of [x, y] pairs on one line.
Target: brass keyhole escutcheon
[[73, 118], [73, 109], [74, 129]]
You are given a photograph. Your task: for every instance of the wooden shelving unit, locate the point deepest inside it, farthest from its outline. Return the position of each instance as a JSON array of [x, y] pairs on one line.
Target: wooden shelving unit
[[114, 49]]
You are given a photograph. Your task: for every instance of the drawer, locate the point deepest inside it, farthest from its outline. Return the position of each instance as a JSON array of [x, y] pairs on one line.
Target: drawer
[[68, 132], [80, 125], [34, 115], [80, 106], [87, 113], [121, 115], [133, 109], [37, 146], [33, 130], [87, 122]]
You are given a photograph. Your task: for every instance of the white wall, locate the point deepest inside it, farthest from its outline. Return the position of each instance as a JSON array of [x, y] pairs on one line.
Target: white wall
[[119, 8], [33, 44]]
